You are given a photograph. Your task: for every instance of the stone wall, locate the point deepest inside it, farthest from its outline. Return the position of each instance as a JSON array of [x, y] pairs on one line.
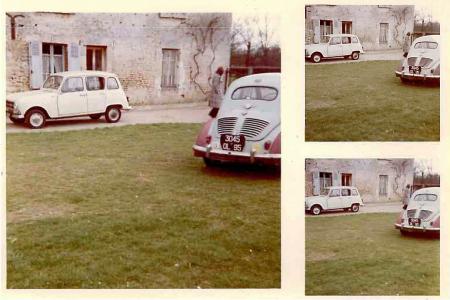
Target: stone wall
[[365, 20], [365, 175], [134, 43], [17, 76]]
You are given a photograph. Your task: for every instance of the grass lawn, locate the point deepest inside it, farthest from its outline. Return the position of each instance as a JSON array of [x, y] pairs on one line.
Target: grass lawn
[[364, 101], [130, 207], [365, 255]]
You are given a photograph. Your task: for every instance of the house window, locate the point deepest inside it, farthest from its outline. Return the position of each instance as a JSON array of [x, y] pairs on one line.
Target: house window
[[383, 185], [53, 59], [169, 78], [346, 27], [346, 179], [96, 58], [384, 30], [326, 27], [325, 181]]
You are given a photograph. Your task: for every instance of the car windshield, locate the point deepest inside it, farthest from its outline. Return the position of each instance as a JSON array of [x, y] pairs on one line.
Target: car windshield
[[255, 93], [425, 197], [53, 82], [426, 45]]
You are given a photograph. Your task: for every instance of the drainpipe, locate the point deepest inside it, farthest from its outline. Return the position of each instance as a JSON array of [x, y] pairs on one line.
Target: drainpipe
[[13, 24]]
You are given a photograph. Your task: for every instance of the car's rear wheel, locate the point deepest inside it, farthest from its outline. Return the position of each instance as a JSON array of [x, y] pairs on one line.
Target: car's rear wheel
[[95, 116], [35, 118], [355, 55], [113, 114], [316, 210], [316, 58], [355, 207]]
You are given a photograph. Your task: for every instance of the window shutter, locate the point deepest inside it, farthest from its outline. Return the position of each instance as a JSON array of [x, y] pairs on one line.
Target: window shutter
[[35, 54], [74, 62], [316, 26], [336, 181], [336, 26], [316, 183]]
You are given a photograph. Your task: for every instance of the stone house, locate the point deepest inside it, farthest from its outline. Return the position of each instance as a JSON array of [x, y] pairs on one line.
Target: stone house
[[159, 57], [377, 26], [376, 179]]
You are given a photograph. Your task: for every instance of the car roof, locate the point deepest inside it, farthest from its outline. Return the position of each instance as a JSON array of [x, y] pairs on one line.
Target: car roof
[[340, 187], [340, 34], [85, 73], [429, 190], [428, 38], [262, 79]]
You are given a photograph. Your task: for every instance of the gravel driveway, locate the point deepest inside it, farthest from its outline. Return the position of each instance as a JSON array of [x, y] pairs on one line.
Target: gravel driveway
[[172, 113], [384, 207]]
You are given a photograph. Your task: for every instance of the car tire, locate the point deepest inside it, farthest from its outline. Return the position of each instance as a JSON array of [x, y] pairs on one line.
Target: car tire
[[403, 232], [316, 210], [316, 58], [16, 121], [355, 207], [113, 114], [35, 118], [355, 55], [95, 116]]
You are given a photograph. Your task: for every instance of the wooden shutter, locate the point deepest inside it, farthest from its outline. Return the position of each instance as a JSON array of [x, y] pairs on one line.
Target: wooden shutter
[[74, 62], [316, 183], [35, 55], [336, 181], [316, 28]]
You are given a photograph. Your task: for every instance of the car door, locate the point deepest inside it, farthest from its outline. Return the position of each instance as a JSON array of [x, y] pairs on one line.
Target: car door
[[96, 94], [335, 47], [346, 45], [72, 97], [334, 200]]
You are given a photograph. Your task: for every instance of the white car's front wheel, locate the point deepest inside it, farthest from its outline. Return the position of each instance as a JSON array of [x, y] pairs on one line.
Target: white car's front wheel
[[355, 207], [316, 210], [35, 118], [113, 114], [316, 57]]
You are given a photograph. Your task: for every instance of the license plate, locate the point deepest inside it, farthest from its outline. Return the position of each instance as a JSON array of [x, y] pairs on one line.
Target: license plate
[[414, 222], [415, 69], [230, 142]]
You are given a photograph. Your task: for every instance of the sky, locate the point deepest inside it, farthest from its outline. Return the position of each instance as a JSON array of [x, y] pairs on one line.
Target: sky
[[430, 8], [432, 162]]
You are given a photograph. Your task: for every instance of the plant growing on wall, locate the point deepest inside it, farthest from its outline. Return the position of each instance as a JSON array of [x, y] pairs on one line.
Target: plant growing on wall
[[208, 31], [400, 167], [399, 24]]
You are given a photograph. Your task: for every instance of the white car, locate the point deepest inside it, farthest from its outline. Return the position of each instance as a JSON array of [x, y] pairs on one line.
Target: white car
[[248, 125], [422, 214], [423, 62], [333, 46], [69, 94], [334, 198]]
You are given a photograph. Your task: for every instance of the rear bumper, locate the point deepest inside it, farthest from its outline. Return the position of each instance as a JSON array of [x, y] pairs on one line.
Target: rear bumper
[[241, 157], [416, 228], [417, 77]]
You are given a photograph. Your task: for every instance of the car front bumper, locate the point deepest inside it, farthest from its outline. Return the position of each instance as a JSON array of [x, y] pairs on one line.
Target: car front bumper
[[409, 228], [232, 156], [417, 77]]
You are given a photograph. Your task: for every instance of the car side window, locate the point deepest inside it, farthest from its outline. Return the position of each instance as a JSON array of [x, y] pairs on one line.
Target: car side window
[[346, 40], [355, 40], [335, 193], [94, 83], [335, 41], [345, 192], [72, 84], [112, 83], [355, 193]]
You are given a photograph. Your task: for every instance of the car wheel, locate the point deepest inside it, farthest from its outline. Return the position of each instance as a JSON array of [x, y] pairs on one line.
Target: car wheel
[[355, 207], [16, 121], [95, 117], [113, 114], [316, 58], [403, 232], [35, 118], [355, 55], [316, 210]]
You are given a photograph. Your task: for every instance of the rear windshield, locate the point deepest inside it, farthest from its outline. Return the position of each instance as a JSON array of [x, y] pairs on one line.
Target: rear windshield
[[255, 93], [425, 197], [426, 45]]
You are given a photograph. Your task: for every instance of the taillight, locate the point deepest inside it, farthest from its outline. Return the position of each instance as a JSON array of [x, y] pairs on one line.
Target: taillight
[[208, 139], [267, 145]]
